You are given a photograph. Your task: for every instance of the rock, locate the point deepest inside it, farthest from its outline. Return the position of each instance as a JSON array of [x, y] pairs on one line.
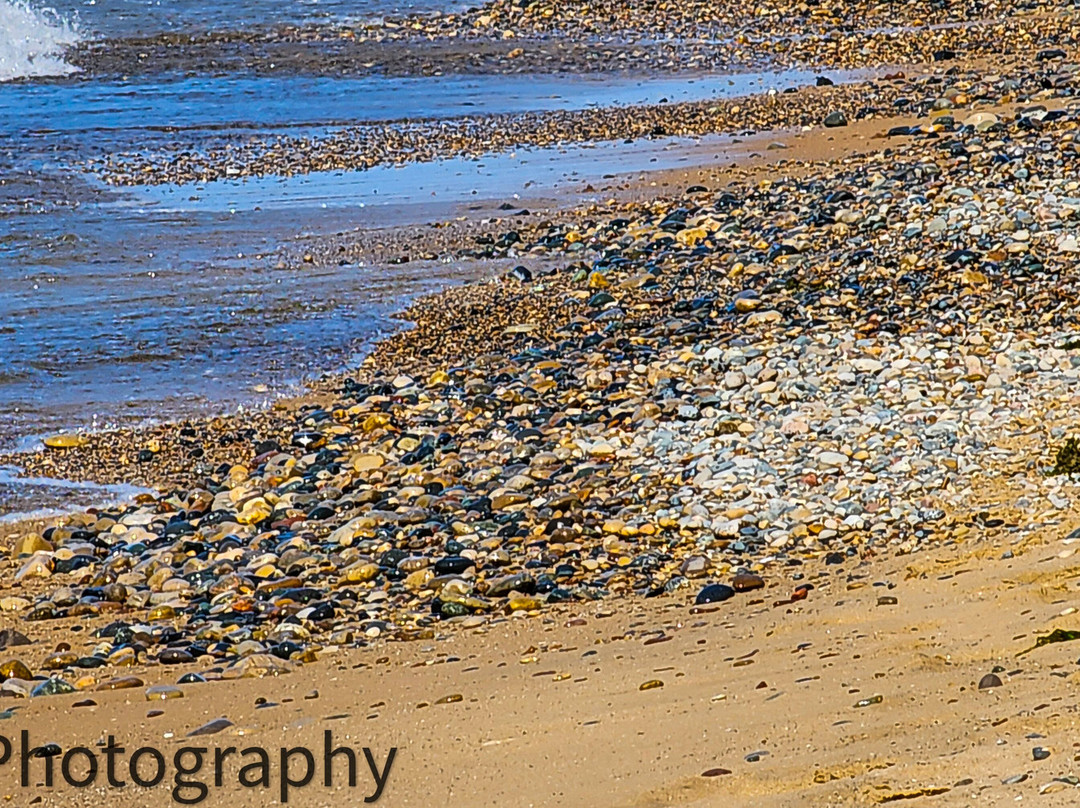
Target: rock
[[211, 728], [64, 441], [367, 462], [257, 666], [40, 565], [175, 656], [121, 683], [51, 687], [10, 638], [695, 567], [835, 119], [15, 669], [714, 593], [832, 459], [982, 121], [747, 582], [29, 544], [990, 680]]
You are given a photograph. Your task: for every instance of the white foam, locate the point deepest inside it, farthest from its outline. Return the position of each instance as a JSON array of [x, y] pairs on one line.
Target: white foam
[[32, 41]]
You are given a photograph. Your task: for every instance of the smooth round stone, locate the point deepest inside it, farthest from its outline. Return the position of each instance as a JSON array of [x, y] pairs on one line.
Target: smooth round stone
[[15, 669], [747, 582], [989, 681], [835, 119], [714, 593], [163, 693], [17, 687], [162, 612], [367, 462], [175, 656], [524, 603], [451, 609], [452, 565], [123, 658], [59, 661], [121, 683], [52, 687], [64, 441]]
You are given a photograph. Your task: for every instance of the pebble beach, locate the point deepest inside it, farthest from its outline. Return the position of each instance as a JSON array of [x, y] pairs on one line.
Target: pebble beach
[[736, 470]]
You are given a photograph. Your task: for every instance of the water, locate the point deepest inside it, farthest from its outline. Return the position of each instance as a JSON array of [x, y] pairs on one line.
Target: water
[[108, 110], [134, 18], [43, 497], [167, 300]]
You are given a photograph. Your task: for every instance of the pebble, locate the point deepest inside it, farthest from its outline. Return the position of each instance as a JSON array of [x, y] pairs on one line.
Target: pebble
[[163, 693], [211, 727], [714, 593]]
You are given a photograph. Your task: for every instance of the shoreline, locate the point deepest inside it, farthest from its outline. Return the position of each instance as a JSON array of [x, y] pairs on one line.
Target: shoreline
[[631, 192]]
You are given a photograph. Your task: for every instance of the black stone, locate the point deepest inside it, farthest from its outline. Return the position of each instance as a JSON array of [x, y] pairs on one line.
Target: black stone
[[714, 593]]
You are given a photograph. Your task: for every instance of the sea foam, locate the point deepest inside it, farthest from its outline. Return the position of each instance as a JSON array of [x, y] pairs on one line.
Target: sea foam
[[32, 41]]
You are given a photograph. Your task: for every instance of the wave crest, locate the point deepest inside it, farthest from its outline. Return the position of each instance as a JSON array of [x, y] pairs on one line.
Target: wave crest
[[34, 41]]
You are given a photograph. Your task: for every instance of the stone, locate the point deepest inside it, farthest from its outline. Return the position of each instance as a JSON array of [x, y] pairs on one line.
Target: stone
[[747, 582], [714, 593], [211, 728]]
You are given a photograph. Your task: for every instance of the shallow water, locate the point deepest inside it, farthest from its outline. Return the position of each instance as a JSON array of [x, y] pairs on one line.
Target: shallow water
[[105, 112], [43, 497], [167, 300]]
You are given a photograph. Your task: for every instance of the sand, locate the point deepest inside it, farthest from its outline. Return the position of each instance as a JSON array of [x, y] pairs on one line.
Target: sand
[[552, 712]]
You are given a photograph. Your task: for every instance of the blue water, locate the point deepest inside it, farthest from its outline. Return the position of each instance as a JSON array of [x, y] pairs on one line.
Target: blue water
[[126, 18], [105, 108]]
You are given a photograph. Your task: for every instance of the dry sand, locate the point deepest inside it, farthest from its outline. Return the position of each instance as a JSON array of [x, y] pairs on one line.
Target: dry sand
[[552, 712]]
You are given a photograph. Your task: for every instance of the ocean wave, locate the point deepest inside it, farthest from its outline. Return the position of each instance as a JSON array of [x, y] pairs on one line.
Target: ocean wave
[[33, 41]]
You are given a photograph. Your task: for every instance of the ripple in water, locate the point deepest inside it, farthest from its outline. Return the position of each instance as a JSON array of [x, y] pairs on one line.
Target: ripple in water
[[33, 41]]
